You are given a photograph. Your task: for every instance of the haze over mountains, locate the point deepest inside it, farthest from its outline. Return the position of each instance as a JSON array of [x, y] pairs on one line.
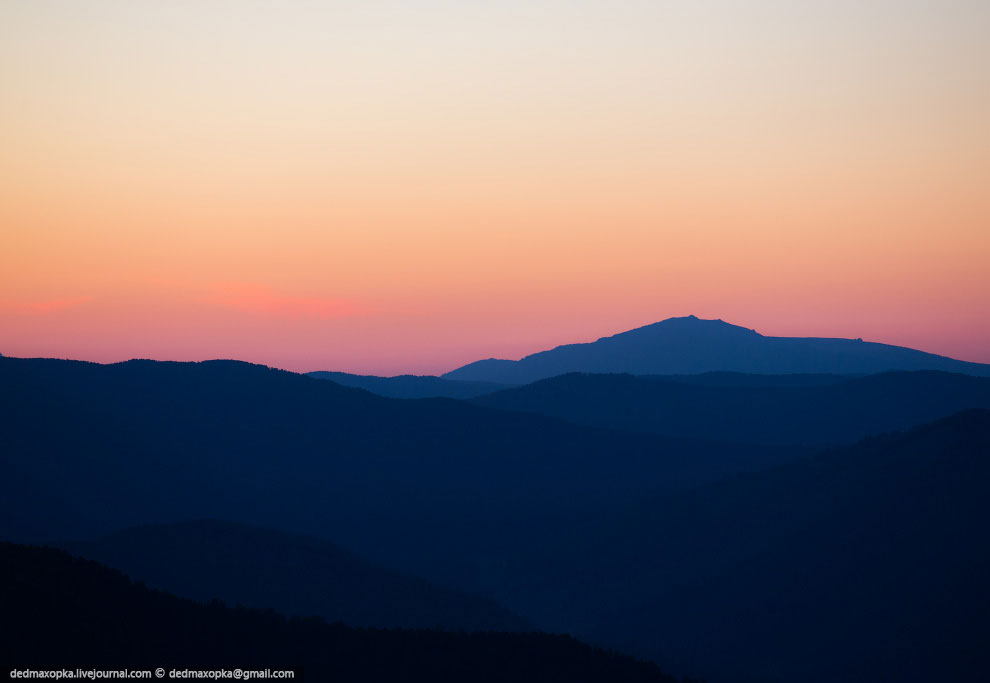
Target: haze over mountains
[[686, 346], [743, 527], [91, 449], [765, 409], [689, 346], [865, 563]]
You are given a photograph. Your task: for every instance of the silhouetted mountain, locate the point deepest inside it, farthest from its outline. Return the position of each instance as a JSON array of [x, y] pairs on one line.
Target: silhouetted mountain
[[866, 563], [429, 487], [295, 575], [689, 346], [411, 386], [776, 409], [64, 612]]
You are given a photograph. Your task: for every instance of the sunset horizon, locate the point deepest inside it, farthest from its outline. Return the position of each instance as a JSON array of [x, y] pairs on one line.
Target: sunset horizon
[[544, 341], [385, 188], [464, 360]]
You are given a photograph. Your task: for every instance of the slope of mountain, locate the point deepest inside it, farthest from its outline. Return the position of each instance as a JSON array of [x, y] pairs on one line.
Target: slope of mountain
[[865, 563], [688, 346], [295, 575], [776, 409], [61, 612], [426, 487], [411, 386]]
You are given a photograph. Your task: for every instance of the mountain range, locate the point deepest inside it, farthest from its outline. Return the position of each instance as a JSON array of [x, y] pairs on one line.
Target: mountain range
[[689, 345], [420, 486], [744, 527]]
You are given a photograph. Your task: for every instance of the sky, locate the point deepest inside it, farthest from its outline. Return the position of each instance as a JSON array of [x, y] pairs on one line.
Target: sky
[[390, 187]]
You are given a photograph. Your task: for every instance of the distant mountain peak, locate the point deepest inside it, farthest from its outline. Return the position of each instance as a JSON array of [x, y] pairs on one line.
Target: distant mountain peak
[[690, 345], [693, 320], [687, 325], [689, 320]]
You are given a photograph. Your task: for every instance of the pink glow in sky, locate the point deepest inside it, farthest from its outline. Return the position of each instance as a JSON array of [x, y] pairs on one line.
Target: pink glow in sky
[[387, 187]]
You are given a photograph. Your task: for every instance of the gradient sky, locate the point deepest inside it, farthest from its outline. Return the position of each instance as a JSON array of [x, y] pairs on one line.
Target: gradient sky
[[407, 186]]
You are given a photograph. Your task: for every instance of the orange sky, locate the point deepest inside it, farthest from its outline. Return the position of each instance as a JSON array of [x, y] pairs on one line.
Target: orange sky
[[407, 186]]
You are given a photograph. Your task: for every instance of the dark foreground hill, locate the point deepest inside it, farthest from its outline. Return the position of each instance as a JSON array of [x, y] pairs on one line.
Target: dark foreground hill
[[410, 386], [867, 563], [64, 612], [771, 409], [295, 575], [680, 346]]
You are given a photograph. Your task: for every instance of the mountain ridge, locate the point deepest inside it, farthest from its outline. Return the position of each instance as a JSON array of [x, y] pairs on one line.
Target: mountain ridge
[[690, 345]]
